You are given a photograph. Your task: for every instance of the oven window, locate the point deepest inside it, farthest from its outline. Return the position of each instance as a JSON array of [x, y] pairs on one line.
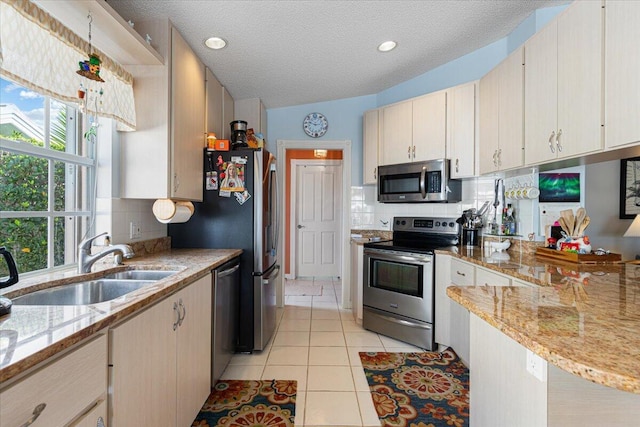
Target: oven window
[[400, 184], [397, 277]]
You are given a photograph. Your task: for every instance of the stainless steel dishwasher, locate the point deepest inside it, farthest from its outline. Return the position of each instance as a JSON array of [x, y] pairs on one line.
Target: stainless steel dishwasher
[[224, 331]]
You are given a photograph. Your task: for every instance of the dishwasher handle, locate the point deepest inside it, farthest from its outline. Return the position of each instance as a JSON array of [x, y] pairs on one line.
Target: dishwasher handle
[[228, 271]]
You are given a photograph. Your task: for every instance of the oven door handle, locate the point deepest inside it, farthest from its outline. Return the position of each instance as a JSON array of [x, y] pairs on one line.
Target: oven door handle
[[423, 184], [402, 322], [396, 256]]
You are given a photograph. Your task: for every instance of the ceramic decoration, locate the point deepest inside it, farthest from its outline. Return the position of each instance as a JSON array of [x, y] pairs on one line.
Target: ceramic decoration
[[315, 125]]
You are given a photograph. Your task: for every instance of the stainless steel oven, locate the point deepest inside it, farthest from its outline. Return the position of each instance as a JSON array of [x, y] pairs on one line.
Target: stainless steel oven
[[398, 288]]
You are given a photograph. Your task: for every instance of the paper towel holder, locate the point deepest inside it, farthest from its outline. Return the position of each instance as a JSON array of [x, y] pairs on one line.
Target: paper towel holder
[[168, 211]]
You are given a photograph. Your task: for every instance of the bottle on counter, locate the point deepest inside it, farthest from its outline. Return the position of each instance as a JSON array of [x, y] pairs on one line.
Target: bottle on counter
[[509, 220]]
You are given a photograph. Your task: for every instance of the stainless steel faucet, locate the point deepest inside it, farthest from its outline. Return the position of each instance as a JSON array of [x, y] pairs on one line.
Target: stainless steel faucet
[[86, 260]]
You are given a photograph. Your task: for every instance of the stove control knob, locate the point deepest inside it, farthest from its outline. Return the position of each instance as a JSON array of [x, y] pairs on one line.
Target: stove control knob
[[451, 224], [437, 223], [404, 222]]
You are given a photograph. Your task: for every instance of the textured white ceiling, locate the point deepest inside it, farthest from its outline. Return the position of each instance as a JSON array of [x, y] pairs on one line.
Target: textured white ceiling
[[298, 52]]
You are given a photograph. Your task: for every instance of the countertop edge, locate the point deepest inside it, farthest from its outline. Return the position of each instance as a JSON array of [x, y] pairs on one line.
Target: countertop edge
[[183, 279]]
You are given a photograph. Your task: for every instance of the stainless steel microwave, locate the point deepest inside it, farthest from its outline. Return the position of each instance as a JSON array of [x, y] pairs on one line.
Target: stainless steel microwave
[[426, 181]]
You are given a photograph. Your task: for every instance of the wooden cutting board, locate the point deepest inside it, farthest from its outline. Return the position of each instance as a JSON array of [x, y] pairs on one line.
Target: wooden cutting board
[[578, 258]]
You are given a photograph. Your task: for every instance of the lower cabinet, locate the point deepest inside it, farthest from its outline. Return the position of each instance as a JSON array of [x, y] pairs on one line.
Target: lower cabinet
[[160, 360], [71, 390], [357, 280]]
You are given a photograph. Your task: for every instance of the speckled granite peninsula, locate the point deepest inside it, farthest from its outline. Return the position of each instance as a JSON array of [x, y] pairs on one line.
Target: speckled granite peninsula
[[30, 335], [582, 318]]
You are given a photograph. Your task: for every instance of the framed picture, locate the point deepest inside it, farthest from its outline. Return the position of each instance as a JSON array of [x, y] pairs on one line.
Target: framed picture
[[629, 187]]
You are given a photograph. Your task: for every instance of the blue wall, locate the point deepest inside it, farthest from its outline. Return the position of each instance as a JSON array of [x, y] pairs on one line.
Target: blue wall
[[345, 115]]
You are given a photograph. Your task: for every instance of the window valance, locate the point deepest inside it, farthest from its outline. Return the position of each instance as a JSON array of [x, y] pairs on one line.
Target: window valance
[[40, 53]]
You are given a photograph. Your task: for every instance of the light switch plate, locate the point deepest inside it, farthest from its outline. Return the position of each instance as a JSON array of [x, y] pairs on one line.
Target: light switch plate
[[134, 230]]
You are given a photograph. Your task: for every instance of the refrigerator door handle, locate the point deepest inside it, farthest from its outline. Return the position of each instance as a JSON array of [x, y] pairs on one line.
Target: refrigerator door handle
[[276, 218]]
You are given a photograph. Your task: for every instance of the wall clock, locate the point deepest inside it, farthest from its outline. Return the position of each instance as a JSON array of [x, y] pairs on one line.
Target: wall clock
[[315, 125]]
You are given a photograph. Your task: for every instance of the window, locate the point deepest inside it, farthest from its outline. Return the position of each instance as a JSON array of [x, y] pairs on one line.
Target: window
[[46, 176]]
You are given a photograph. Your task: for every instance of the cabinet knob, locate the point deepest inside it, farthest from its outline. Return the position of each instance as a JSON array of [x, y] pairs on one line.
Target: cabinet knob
[[499, 157], [457, 165], [558, 144], [414, 151], [460, 274], [409, 152], [36, 413], [551, 137], [184, 313], [175, 310], [375, 173]]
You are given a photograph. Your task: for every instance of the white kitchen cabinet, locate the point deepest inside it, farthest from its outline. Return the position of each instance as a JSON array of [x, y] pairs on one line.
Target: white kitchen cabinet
[[397, 132], [67, 387], [370, 139], [462, 274], [170, 110], [414, 130], [253, 112], [563, 86], [501, 116], [214, 94], [357, 280], [442, 324], [621, 71], [93, 416], [160, 360], [429, 122], [461, 130], [228, 108], [491, 278]]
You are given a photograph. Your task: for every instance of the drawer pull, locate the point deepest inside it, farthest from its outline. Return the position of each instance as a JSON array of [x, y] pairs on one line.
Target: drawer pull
[[175, 309], [36, 413], [184, 313], [461, 274]]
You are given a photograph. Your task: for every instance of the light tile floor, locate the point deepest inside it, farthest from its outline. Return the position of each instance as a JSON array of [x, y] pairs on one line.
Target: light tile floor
[[317, 344]]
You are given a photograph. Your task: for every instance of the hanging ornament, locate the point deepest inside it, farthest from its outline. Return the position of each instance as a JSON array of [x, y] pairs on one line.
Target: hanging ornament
[[90, 68]]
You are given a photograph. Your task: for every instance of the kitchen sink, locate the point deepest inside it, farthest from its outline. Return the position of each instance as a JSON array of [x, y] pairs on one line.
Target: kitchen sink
[[82, 293], [140, 274]]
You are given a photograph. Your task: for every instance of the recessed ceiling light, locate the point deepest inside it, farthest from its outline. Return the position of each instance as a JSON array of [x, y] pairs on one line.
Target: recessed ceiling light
[[215, 43], [387, 46]]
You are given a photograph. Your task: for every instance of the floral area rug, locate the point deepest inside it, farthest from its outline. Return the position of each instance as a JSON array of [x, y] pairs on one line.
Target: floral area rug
[[427, 389], [236, 403]]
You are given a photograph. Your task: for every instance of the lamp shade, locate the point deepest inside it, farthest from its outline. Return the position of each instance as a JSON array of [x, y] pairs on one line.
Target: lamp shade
[[634, 228]]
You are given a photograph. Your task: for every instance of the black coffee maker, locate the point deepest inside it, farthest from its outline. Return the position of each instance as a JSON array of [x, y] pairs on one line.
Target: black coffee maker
[[5, 303], [238, 134]]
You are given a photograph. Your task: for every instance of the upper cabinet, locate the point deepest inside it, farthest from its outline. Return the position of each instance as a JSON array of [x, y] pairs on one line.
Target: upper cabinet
[[170, 110], [563, 85], [621, 70], [254, 113], [370, 137], [501, 116], [214, 95], [429, 127], [461, 130], [414, 130]]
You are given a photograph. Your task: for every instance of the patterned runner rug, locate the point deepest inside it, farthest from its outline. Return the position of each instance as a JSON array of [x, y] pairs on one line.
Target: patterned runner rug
[[234, 403], [427, 389]]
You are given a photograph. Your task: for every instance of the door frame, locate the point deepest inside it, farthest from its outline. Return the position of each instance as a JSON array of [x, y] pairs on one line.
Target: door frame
[[344, 146], [292, 226]]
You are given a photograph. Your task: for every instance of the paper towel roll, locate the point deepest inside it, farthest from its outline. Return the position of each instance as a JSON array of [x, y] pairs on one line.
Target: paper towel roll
[[167, 211]]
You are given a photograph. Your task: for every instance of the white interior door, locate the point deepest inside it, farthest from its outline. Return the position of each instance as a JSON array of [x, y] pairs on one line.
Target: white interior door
[[318, 219]]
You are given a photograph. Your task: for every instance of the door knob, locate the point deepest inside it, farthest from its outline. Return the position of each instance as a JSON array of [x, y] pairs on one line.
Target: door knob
[[300, 226]]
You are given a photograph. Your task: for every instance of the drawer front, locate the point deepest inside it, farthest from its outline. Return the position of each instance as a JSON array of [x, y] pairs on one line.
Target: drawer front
[[462, 273], [487, 277], [67, 386]]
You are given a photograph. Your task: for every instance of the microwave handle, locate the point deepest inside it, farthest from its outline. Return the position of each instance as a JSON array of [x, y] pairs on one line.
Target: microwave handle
[[423, 184]]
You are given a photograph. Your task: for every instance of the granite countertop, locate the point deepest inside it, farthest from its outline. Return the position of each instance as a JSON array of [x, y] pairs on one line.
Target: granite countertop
[[30, 335], [583, 318]]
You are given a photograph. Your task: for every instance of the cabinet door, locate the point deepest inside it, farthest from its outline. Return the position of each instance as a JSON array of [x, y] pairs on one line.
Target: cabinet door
[[580, 79], [429, 127], [370, 133], [442, 328], [187, 120], [193, 350], [93, 416], [396, 134], [540, 95], [511, 111], [143, 368], [214, 104], [488, 116], [461, 141], [227, 113], [621, 70]]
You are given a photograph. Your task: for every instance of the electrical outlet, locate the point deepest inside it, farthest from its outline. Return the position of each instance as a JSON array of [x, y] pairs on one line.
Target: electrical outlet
[[536, 366], [134, 230]]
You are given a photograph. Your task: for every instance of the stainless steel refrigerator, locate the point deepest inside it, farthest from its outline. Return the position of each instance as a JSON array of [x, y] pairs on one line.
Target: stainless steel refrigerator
[[239, 210]]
